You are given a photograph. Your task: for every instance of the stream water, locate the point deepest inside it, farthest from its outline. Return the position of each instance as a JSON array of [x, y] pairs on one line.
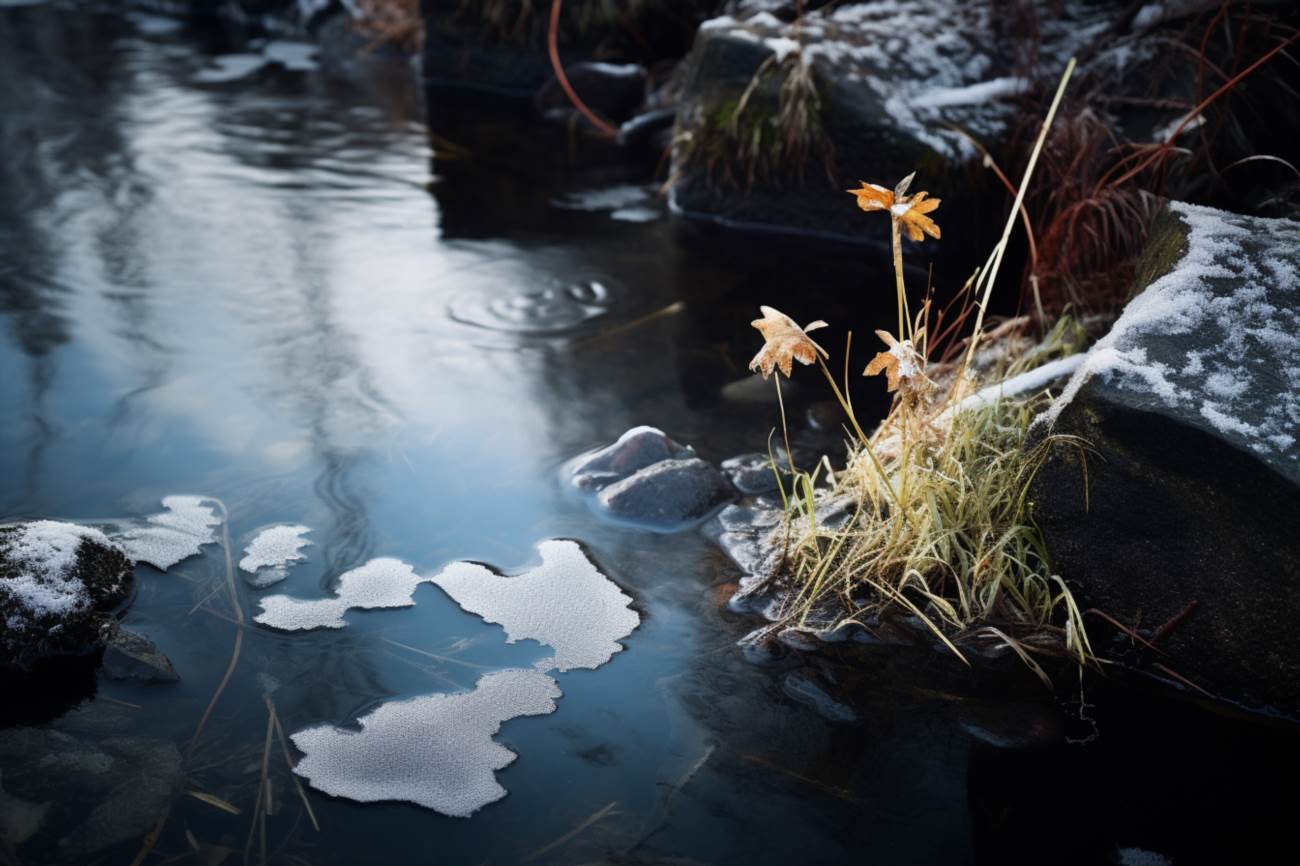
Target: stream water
[[230, 271]]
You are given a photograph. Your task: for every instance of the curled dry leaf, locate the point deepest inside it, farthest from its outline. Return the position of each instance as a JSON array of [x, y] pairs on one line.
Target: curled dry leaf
[[784, 343], [900, 363]]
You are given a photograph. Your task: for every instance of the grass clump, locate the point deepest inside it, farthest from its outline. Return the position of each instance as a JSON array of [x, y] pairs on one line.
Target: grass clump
[[940, 521]]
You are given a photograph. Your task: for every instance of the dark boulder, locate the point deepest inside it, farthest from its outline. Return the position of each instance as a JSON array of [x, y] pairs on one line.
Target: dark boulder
[[1173, 507], [613, 91], [634, 450], [667, 495], [59, 584]]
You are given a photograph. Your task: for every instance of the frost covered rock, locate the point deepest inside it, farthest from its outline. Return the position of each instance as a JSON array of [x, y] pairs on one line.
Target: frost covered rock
[[777, 117], [58, 585], [667, 495], [1192, 406]]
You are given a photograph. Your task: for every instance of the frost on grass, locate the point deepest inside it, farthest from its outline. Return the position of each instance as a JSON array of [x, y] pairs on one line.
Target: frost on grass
[[435, 751], [177, 533], [564, 603], [380, 583], [269, 554], [39, 580], [1216, 341]]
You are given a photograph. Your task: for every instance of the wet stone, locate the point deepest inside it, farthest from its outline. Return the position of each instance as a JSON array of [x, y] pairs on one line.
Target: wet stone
[[634, 450], [133, 657], [668, 494], [752, 473], [807, 688]]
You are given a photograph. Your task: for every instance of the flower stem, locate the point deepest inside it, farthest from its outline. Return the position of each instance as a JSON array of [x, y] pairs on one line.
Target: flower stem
[[904, 315]]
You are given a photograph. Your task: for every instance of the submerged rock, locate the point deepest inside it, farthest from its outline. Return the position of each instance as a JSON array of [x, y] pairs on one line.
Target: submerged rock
[[668, 494], [131, 656], [59, 583], [89, 793], [1190, 409]]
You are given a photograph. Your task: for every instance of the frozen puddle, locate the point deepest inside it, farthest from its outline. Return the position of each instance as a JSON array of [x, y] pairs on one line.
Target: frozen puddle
[[438, 751], [268, 556], [435, 751], [179, 532]]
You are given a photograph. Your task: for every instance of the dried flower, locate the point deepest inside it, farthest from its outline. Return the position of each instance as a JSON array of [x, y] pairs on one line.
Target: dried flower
[[909, 211], [784, 343], [901, 363]]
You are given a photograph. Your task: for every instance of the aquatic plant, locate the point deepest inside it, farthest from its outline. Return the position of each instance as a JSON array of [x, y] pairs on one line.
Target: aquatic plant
[[940, 523]]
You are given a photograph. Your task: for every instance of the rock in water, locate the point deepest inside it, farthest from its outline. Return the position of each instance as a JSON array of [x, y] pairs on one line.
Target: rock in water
[[1190, 408], [58, 585], [132, 656], [636, 449], [667, 495]]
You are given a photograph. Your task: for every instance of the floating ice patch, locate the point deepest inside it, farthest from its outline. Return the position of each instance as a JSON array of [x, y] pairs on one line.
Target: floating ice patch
[[175, 534], [635, 214], [294, 56], [564, 603], [42, 554], [380, 583], [434, 751], [231, 67], [269, 554], [607, 199]]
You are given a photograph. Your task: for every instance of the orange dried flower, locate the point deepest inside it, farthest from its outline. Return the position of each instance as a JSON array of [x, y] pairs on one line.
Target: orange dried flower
[[900, 363], [908, 211], [784, 343]]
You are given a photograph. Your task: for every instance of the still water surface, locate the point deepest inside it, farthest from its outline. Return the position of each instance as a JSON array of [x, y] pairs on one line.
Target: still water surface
[[250, 281]]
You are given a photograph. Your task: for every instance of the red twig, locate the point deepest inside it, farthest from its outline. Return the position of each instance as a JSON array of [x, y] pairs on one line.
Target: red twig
[[552, 45]]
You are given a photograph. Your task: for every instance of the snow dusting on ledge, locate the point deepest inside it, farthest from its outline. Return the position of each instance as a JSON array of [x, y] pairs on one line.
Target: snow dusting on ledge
[[44, 554], [1217, 339]]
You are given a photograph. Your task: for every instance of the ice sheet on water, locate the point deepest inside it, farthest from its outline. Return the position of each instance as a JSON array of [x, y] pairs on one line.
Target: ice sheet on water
[[564, 603], [435, 751], [268, 556], [179, 532], [380, 583]]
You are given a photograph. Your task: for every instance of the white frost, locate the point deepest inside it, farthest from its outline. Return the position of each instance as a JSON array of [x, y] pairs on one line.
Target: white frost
[[435, 751], [564, 603], [175, 534], [271, 551]]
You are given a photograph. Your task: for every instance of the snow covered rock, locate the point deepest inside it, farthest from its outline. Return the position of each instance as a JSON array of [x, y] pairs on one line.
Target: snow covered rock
[[1191, 409], [636, 449], [58, 585]]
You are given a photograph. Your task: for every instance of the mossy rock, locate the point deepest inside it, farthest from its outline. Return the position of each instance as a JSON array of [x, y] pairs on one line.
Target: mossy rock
[[1174, 508], [59, 586]]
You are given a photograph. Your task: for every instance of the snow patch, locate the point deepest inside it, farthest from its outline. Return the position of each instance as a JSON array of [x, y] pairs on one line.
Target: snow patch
[[1230, 290], [44, 553]]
